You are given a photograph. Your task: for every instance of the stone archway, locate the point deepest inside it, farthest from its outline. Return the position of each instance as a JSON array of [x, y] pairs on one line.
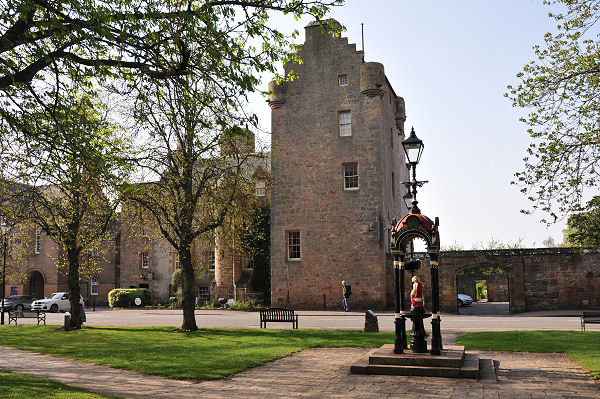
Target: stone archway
[[35, 284], [452, 263], [496, 297]]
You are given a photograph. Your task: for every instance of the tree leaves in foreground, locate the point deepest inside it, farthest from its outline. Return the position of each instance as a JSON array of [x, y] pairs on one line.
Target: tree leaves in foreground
[[561, 90]]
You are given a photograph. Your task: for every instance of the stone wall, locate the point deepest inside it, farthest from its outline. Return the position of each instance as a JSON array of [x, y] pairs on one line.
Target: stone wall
[[538, 279], [343, 232]]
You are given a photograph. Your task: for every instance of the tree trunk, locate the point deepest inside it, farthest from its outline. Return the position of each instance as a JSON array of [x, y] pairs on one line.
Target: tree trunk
[[189, 295], [74, 288]]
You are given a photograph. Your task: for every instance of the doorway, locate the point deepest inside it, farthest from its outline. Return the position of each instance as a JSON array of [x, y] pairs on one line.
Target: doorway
[[35, 285], [488, 286]]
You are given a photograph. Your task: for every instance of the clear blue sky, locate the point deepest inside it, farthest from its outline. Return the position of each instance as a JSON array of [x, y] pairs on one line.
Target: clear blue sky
[[452, 61]]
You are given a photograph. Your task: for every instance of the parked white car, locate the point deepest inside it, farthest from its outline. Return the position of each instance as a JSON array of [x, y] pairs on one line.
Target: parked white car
[[464, 300], [59, 301]]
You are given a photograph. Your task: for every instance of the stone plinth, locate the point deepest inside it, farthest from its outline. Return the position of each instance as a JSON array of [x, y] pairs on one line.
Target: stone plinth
[[453, 362]]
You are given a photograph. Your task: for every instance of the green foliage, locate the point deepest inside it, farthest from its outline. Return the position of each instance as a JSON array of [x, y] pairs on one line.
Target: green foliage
[[256, 242], [561, 90], [22, 386], [248, 305], [581, 346], [482, 270], [453, 247], [495, 243], [583, 228], [125, 297], [209, 353], [481, 291]]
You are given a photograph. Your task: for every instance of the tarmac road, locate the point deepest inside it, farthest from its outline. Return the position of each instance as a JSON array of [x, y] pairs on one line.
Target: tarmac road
[[451, 323]]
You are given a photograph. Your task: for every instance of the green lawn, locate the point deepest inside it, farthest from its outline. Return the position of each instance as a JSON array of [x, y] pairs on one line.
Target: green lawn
[[582, 347], [204, 354], [21, 386]]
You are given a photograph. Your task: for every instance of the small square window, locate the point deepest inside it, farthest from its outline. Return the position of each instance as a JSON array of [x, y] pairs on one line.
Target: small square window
[[345, 121], [293, 245], [343, 80], [350, 176]]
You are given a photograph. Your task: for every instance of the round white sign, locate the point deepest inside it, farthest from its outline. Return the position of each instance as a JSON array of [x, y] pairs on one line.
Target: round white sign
[[138, 301]]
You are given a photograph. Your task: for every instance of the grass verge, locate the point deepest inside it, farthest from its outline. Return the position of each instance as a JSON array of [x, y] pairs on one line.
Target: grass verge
[[204, 354], [21, 386], [582, 347]]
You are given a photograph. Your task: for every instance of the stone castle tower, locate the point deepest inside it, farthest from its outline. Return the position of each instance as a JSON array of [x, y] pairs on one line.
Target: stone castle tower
[[337, 167]]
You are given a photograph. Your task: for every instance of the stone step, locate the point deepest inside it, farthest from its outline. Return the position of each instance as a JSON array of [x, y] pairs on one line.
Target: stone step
[[471, 366], [451, 357], [487, 370]]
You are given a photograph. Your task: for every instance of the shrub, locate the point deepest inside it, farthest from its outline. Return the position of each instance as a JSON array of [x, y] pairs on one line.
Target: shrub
[[123, 298], [248, 305]]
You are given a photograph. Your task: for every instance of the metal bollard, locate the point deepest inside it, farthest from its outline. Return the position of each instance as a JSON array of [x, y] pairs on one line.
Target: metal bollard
[[67, 322]]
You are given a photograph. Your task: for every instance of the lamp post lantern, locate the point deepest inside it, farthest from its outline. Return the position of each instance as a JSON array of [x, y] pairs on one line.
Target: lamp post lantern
[[4, 227], [413, 148]]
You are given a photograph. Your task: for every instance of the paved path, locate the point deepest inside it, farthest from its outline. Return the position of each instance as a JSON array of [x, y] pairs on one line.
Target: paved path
[[323, 373]]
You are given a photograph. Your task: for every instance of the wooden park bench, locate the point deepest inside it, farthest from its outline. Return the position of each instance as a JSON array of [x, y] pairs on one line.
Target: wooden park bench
[[278, 315], [13, 315], [588, 317]]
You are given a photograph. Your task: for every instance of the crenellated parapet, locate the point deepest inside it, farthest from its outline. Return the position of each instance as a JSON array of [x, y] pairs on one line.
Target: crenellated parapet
[[277, 92], [372, 79], [400, 117]]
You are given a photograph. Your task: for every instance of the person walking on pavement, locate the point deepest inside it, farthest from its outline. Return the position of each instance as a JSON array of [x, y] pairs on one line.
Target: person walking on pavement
[[347, 291]]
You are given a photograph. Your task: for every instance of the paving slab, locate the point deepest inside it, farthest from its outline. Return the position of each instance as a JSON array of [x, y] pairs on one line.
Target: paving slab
[[323, 373]]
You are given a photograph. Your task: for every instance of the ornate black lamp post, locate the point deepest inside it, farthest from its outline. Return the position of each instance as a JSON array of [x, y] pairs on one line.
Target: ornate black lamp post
[[413, 147], [415, 225], [4, 227]]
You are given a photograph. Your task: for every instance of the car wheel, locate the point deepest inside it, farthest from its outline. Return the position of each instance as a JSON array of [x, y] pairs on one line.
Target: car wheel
[[460, 303], [54, 308], [19, 308]]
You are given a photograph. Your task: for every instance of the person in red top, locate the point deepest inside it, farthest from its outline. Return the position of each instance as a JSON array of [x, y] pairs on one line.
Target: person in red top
[[416, 295]]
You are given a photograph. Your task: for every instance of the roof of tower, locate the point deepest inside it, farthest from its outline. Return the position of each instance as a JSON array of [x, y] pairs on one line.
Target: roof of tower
[[329, 22]]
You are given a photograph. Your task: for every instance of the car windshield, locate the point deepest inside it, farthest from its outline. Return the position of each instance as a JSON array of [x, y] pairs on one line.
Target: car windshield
[[54, 296]]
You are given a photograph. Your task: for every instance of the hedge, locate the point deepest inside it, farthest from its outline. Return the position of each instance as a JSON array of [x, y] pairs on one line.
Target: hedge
[[125, 297]]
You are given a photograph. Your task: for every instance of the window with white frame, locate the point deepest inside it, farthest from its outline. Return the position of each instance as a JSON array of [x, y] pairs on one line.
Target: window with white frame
[[38, 239], [345, 119], [210, 259], [177, 263], [144, 232], [343, 80], [350, 176], [293, 245], [260, 188], [145, 260], [94, 286]]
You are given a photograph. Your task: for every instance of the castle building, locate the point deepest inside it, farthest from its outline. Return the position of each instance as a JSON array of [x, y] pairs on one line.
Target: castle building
[[337, 168]]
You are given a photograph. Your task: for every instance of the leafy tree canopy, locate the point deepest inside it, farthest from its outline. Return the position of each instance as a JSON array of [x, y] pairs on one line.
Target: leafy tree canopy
[[583, 228], [561, 90]]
